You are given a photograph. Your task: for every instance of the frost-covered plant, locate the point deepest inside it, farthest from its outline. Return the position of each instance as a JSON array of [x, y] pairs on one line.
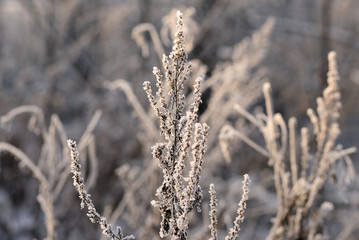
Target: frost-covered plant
[[51, 168], [92, 213], [178, 194], [298, 181]]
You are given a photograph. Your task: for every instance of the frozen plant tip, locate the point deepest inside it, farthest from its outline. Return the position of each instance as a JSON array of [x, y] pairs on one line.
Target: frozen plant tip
[[92, 213], [242, 206], [212, 213]]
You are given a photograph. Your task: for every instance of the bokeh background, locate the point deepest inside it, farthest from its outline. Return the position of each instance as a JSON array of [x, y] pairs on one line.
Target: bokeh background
[[61, 55]]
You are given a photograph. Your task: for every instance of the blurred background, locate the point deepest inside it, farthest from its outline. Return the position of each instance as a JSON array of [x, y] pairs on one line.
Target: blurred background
[[62, 55]]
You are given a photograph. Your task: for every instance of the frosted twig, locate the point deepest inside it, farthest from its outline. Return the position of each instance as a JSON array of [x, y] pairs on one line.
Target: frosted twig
[[242, 205], [212, 214], [92, 213]]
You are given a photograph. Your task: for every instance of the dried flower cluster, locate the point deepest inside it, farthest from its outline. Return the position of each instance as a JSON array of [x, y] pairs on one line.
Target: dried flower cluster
[[297, 183], [177, 195]]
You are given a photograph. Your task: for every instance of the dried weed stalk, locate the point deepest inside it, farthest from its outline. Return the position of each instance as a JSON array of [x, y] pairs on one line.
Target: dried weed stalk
[[237, 81], [168, 28], [299, 181], [242, 206], [212, 213], [177, 195], [51, 169], [92, 213], [233, 232]]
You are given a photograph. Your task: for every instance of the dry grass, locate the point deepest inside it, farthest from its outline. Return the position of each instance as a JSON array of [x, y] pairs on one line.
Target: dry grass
[[299, 181], [171, 159]]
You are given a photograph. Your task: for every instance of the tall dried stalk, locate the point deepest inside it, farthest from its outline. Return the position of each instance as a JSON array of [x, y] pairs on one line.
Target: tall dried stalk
[[177, 195], [51, 168], [298, 185]]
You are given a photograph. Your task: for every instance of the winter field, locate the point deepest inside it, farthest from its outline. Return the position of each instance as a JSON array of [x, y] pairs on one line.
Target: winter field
[[179, 119]]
